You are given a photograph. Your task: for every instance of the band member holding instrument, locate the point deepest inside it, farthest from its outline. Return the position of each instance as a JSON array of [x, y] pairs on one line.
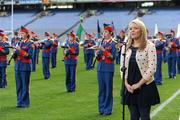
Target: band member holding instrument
[[120, 39], [71, 53], [159, 44], [15, 39], [54, 50], [4, 51], [89, 53], [23, 53], [35, 55], [172, 45], [46, 46], [106, 55]]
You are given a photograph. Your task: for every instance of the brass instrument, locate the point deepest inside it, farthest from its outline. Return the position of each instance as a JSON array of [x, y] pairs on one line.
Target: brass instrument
[[13, 55], [96, 47]]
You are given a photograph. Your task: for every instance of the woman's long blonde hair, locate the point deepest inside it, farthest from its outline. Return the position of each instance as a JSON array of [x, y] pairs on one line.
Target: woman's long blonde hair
[[143, 39]]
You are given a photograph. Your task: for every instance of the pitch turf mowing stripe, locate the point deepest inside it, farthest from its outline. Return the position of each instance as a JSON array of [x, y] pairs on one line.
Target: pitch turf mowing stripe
[[158, 109]]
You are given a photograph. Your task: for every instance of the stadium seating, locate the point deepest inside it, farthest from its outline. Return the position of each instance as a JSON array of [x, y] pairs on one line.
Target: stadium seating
[[165, 18], [20, 18], [61, 20], [58, 23]]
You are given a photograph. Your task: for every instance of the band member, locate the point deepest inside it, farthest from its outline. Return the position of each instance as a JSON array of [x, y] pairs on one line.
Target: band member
[[46, 46], [15, 39], [23, 53], [4, 51], [35, 54], [159, 43], [71, 53], [54, 50], [105, 71], [120, 39], [172, 44], [89, 53]]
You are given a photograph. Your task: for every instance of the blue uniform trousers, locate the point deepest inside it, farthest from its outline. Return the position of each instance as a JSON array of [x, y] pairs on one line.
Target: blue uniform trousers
[[118, 58], [53, 59], [85, 57], [46, 72], [158, 73], [37, 56], [3, 81], [22, 88], [105, 97], [34, 62], [164, 56], [171, 66], [89, 61], [70, 77], [178, 64]]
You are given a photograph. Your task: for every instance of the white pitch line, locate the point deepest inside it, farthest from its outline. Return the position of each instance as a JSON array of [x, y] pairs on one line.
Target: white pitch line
[[154, 112]]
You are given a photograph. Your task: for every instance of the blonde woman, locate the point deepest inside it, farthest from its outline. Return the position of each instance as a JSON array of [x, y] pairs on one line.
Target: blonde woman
[[140, 89]]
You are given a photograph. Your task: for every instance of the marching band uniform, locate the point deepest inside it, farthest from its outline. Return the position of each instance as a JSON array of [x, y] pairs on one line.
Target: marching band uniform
[[4, 51], [89, 53], [35, 51], [71, 53], [172, 45], [46, 46], [105, 73], [15, 39], [54, 50], [159, 44], [23, 70]]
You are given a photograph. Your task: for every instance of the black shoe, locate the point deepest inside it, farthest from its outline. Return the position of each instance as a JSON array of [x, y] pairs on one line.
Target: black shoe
[[100, 113], [69, 91], [2, 86], [18, 106]]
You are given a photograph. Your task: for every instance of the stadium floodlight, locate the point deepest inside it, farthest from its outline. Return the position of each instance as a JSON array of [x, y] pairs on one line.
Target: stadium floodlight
[[147, 4]]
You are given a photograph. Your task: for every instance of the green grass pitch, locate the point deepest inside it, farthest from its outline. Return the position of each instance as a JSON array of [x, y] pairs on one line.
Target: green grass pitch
[[50, 101]]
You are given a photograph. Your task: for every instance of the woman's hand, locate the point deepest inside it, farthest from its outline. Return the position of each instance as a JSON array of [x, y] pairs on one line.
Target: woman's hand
[[129, 88], [136, 86]]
